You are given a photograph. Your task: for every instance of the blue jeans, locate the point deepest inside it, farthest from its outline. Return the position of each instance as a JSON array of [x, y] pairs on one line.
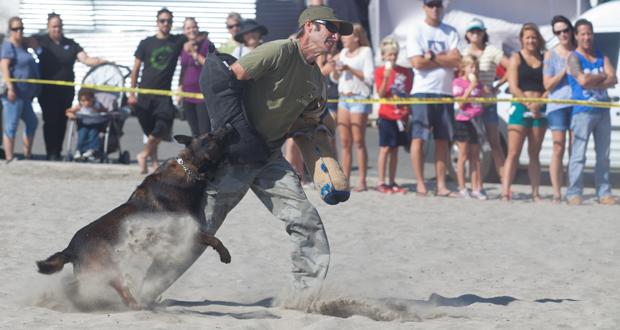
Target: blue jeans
[[597, 122], [88, 138], [13, 111]]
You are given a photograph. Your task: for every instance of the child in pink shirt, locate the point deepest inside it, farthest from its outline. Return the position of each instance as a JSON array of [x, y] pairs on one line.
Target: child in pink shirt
[[465, 132]]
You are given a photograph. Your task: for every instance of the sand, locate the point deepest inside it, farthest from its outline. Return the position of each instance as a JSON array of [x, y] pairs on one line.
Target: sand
[[398, 262]]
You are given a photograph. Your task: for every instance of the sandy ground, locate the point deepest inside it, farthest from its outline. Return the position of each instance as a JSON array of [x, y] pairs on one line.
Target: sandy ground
[[398, 262]]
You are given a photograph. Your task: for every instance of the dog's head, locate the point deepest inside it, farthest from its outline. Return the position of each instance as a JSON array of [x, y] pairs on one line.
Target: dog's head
[[206, 151]]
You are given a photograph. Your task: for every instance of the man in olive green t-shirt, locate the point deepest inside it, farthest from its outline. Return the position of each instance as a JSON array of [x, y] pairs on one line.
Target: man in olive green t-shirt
[[284, 87]]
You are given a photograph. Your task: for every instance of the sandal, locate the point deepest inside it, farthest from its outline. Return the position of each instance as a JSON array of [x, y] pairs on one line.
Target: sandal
[[506, 197], [536, 198], [556, 199], [448, 194]]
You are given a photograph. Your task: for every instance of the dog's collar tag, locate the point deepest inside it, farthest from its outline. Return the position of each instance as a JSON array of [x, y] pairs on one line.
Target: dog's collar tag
[[190, 173]]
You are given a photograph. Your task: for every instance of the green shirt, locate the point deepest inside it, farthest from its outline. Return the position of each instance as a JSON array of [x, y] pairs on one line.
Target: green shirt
[[283, 87]]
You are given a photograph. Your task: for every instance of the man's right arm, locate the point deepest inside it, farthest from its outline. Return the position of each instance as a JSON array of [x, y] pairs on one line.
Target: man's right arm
[[420, 62], [134, 81], [585, 80]]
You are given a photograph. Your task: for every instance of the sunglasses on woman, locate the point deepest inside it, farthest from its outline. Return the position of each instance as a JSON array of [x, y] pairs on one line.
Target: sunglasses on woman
[[165, 20], [19, 28], [331, 27], [232, 26], [558, 32]]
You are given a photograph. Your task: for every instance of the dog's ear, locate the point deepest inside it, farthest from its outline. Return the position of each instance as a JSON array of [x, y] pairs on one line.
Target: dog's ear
[[184, 139]]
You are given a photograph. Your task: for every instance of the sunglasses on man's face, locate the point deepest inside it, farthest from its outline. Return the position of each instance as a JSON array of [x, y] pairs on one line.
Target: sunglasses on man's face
[[558, 32], [19, 28], [165, 20], [232, 26], [331, 27]]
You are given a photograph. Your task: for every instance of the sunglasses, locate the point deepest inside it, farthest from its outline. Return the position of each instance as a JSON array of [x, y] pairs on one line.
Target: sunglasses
[[558, 32], [19, 28], [331, 27], [232, 26], [164, 20]]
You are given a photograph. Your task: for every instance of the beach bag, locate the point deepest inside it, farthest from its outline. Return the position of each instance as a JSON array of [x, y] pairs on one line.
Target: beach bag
[[223, 95]]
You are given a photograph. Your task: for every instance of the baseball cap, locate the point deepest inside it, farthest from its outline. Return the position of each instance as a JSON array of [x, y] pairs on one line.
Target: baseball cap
[[474, 24], [426, 2], [313, 13]]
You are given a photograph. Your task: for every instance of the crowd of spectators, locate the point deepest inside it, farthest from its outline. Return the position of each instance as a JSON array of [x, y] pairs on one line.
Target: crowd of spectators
[[441, 67]]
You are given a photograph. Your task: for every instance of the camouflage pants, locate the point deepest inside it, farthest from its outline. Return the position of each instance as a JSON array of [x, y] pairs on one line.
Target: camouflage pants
[[278, 187]]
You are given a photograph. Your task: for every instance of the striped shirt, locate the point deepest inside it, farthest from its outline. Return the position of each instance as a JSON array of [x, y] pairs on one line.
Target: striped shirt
[[491, 58]]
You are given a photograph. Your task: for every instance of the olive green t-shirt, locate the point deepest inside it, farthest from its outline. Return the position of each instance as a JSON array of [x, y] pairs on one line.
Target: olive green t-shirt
[[283, 86]]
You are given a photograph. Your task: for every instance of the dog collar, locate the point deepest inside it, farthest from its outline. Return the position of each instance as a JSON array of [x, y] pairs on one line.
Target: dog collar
[[190, 173]]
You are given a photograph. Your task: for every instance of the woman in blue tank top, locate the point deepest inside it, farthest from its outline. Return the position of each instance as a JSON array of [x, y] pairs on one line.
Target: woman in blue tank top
[[556, 83], [525, 79]]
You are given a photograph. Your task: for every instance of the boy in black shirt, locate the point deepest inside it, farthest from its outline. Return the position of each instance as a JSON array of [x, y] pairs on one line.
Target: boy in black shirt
[[159, 54]]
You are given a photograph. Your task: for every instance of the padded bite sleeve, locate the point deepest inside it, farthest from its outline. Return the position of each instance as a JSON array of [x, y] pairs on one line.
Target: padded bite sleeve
[[223, 95]]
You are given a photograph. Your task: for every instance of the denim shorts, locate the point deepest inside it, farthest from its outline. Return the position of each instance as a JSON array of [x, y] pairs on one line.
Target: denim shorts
[[559, 120], [489, 115], [435, 118], [355, 107], [18, 109]]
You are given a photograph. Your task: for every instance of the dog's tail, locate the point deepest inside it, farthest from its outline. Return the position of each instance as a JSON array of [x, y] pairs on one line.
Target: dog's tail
[[54, 263]]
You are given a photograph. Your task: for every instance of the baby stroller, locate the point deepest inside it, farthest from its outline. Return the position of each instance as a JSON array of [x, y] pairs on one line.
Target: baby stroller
[[113, 120]]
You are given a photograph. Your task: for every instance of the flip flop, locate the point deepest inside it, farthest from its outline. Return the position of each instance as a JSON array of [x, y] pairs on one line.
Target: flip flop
[[448, 194], [422, 194], [360, 189]]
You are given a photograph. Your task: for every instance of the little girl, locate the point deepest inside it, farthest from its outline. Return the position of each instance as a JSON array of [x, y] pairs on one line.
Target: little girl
[[465, 133], [391, 80]]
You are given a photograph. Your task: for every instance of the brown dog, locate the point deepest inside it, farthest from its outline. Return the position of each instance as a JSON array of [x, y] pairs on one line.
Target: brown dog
[[176, 188]]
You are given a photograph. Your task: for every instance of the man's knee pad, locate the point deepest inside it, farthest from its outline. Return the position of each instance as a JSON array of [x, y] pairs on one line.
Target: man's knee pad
[[223, 95], [321, 162]]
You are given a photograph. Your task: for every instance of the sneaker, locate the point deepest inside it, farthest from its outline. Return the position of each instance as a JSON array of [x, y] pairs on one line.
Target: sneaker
[[398, 189], [89, 155], [607, 200], [575, 200], [464, 193], [77, 155], [480, 195], [383, 188]]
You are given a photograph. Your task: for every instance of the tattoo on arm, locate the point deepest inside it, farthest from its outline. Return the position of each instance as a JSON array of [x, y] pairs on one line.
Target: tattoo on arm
[[574, 66]]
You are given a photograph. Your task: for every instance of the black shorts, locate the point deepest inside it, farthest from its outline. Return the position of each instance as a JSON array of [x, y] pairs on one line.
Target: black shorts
[[464, 131], [390, 135], [156, 115]]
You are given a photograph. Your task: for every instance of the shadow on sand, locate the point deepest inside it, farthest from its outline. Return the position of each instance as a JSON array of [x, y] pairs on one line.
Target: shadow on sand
[[384, 309]]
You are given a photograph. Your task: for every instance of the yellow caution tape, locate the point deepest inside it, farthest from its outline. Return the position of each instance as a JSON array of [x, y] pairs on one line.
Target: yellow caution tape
[[409, 100], [107, 88]]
